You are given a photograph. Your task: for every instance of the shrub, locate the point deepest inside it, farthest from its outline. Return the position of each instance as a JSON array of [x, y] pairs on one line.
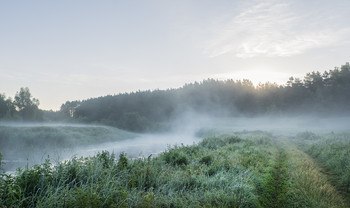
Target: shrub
[[106, 159], [174, 157], [207, 160], [213, 143], [232, 139], [123, 161]]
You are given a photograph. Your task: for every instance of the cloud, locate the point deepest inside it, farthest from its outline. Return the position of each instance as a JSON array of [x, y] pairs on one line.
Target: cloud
[[272, 29]]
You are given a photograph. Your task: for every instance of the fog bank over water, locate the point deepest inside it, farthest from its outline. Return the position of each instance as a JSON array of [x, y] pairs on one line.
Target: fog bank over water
[[32, 143], [142, 146], [47, 124]]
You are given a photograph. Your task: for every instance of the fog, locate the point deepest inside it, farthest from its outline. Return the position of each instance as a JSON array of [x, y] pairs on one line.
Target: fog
[[285, 125], [46, 124], [62, 141], [15, 137], [142, 146]]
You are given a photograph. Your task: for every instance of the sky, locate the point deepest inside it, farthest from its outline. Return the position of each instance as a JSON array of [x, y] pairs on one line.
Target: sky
[[74, 50]]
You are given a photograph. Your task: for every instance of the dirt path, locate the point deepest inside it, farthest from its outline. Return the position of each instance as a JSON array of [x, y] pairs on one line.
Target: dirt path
[[308, 180], [278, 185], [332, 180]]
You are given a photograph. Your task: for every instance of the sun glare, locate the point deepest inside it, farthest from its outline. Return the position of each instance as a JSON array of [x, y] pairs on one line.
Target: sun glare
[[256, 75]]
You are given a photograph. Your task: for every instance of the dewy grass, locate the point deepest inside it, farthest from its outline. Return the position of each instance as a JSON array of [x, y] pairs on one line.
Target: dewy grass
[[276, 185], [251, 170], [332, 151], [215, 173], [309, 187]]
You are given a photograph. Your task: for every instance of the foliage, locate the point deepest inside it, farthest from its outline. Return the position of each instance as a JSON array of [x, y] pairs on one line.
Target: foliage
[[123, 161], [175, 178], [252, 170], [174, 157], [333, 151], [7, 109], [23, 107], [312, 187], [26, 105], [16, 143], [325, 93]]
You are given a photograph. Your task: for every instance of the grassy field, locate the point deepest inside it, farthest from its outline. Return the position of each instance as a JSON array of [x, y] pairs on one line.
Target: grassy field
[[332, 151], [244, 170]]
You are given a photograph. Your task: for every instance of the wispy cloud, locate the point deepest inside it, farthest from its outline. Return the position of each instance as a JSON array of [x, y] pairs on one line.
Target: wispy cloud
[[273, 28]]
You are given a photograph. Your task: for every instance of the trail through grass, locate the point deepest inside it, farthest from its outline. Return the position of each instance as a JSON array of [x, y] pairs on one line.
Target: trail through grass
[[310, 186], [331, 154], [278, 183], [249, 170], [332, 151]]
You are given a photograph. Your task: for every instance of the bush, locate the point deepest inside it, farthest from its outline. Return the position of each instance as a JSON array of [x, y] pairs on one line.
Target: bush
[[106, 159], [123, 161], [213, 143], [174, 157], [207, 160], [232, 139]]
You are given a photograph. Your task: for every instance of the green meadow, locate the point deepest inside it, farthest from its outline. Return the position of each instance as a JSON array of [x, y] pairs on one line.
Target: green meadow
[[249, 169]]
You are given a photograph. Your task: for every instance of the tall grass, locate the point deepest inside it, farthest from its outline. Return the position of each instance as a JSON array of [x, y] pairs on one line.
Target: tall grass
[[250, 170], [225, 171], [310, 187], [332, 151]]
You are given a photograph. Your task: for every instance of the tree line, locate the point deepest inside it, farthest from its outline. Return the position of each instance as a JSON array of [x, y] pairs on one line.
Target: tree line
[[22, 108], [326, 93]]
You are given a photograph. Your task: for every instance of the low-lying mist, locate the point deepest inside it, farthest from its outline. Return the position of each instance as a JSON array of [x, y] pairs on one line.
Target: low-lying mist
[[286, 124], [26, 144], [141, 146], [31, 143]]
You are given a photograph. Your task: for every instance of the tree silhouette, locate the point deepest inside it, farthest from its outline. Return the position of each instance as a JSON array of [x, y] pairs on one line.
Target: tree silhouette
[[26, 105]]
